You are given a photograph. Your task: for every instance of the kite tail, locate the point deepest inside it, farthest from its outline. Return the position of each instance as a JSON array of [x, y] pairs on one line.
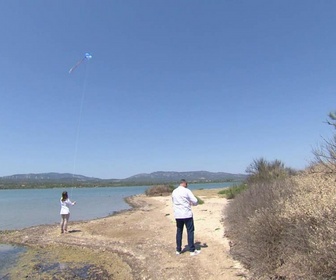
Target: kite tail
[[76, 65]]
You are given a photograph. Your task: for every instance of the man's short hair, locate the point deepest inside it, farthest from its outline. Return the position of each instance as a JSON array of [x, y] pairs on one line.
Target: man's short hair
[[183, 181]]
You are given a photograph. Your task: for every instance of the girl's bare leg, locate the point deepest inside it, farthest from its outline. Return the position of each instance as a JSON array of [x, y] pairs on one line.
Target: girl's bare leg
[[64, 222]]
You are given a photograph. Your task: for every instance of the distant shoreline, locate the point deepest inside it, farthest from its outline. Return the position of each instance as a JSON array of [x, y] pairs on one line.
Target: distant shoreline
[[89, 185]]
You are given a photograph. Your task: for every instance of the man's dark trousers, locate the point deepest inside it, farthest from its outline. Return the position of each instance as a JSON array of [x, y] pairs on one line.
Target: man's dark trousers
[[189, 223]]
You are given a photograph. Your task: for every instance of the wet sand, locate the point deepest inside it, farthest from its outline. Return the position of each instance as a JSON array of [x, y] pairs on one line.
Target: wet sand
[[134, 244]]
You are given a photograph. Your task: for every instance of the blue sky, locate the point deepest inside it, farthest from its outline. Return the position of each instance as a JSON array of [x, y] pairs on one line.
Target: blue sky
[[172, 85]]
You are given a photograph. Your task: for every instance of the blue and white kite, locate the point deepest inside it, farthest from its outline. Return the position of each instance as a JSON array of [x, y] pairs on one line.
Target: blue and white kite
[[86, 57]]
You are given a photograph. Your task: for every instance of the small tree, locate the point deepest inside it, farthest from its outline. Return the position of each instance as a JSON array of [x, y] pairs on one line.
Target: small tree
[[325, 154]]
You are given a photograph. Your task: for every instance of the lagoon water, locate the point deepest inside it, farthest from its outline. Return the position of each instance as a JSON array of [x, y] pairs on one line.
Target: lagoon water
[[25, 208]]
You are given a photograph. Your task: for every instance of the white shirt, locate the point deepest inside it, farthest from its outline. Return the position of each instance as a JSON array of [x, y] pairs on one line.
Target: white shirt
[[65, 206], [183, 198]]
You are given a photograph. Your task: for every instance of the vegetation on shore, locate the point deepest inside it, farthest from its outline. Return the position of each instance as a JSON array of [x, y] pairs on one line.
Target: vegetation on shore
[[283, 225], [233, 191], [52, 185], [160, 190], [5, 184], [165, 190]]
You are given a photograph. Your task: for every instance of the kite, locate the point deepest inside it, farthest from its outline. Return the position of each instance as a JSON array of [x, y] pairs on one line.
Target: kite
[[86, 57]]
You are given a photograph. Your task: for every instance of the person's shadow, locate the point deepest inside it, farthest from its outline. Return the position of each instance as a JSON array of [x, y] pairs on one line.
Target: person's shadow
[[74, 231], [198, 246]]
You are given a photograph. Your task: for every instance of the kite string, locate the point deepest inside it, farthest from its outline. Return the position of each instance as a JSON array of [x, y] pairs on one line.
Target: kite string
[[79, 126]]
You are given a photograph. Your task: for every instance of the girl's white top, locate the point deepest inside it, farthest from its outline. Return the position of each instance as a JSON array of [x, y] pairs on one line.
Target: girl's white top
[[65, 206], [183, 198]]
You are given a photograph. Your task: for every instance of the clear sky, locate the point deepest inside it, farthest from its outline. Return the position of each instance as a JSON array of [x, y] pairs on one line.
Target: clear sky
[[178, 85]]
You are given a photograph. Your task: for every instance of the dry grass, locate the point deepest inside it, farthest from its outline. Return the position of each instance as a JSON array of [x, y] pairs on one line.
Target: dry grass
[[286, 229], [310, 216]]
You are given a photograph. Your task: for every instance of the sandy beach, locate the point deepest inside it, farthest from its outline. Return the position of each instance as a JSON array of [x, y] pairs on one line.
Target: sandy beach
[[135, 244]]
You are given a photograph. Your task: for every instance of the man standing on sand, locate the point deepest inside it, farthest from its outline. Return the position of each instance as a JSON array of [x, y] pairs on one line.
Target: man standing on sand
[[183, 199]]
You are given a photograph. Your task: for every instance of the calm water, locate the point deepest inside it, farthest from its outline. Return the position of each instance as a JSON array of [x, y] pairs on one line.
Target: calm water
[[25, 208]]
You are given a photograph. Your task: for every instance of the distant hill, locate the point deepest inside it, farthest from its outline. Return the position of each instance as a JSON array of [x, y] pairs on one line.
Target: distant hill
[[48, 177], [53, 179], [192, 176]]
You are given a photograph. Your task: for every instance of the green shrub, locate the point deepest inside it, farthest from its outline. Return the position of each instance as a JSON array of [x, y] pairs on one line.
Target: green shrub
[[199, 200], [231, 192]]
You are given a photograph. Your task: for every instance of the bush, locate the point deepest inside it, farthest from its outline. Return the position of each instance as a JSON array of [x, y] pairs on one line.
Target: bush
[[285, 229], [261, 170], [233, 191], [253, 227], [159, 190]]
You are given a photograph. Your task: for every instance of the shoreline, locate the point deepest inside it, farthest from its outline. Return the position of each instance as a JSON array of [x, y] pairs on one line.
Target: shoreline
[[112, 203], [129, 200], [136, 243]]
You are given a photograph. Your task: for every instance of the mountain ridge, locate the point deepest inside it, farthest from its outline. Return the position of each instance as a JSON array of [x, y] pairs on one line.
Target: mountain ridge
[[187, 175], [157, 177]]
